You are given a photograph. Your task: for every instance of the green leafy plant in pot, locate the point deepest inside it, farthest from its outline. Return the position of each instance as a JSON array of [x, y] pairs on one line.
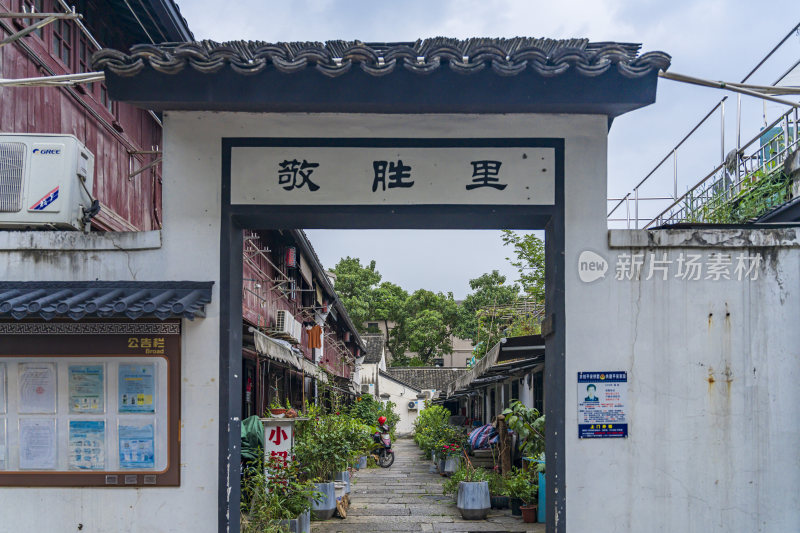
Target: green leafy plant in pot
[[274, 495], [451, 454], [323, 448], [470, 486], [497, 490], [522, 490]]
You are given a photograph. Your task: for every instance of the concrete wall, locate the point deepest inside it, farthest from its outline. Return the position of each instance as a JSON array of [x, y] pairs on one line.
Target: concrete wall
[[713, 371]]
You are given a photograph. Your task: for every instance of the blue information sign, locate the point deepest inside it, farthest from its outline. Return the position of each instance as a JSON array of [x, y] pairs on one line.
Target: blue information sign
[[602, 404]]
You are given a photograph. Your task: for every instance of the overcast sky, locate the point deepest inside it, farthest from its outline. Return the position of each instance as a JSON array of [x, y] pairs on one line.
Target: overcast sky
[[717, 39]]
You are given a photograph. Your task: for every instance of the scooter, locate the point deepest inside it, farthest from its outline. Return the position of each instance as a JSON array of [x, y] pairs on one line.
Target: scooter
[[382, 447]]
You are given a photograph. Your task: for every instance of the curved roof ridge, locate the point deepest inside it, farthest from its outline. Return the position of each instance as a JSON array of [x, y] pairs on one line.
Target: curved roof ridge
[[505, 56]]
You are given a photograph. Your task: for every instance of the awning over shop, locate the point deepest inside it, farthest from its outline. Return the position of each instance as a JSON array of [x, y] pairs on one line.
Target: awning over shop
[[281, 351], [508, 356], [104, 299]]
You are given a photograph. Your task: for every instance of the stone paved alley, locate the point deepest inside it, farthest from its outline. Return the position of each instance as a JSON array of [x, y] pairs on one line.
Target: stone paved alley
[[406, 497]]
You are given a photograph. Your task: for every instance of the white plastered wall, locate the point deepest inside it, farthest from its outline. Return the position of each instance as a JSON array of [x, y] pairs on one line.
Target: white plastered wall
[[400, 395]]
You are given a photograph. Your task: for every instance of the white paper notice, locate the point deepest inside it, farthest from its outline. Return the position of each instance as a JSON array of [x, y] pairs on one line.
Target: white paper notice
[[37, 443], [2, 444], [37, 388], [2, 388]]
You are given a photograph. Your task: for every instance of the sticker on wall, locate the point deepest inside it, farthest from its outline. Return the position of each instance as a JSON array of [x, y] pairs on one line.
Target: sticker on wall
[[602, 405]]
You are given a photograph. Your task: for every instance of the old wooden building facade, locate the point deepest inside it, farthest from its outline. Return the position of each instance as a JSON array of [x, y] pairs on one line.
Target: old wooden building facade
[[124, 139], [286, 295]]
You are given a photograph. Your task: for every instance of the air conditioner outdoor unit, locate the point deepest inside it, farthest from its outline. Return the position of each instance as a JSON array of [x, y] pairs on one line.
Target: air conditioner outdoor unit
[[412, 405], [44, 181], [286, 324]]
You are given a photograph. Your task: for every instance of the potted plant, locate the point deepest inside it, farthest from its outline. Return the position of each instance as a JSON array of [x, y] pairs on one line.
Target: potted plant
[[276, 409], [473, 500], [274, 496], [452, 458], [497, 490], [471, 488], [323, 449], [522, 491]]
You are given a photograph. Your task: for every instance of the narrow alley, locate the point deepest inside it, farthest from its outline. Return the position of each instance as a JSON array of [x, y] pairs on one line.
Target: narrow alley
[[406, 497]]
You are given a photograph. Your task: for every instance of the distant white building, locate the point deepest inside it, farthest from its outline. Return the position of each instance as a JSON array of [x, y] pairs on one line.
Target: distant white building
[[384, 387]]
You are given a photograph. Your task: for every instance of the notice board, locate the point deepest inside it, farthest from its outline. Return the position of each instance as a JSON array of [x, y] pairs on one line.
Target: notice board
[[90, 403]]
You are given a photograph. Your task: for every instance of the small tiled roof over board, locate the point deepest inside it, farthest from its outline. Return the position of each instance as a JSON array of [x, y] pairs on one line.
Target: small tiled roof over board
[[440, 74], [427, 377], [374, 349]]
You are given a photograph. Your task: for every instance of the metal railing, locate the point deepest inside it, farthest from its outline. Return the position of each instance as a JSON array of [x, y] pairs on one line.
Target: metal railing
[[735, 172], [715, 194]]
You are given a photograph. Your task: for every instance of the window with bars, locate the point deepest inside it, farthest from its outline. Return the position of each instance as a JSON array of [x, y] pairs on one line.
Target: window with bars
[[62, 41]]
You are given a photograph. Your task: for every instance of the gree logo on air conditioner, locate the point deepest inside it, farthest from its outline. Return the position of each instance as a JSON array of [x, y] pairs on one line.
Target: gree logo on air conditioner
[[46, 151]]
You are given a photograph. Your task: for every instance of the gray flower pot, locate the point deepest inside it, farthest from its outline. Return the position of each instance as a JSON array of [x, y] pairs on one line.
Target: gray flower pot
[[473, 499], [452, 464], [435, 466], [301, 524], [344, 476], [362, 462], [442, 461], [325, 506]]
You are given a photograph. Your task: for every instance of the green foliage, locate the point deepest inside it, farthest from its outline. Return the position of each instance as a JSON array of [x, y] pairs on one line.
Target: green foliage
[[328, 443], [521, 484], [388, 303], [367, 410], [450, 449], [274, 491], [528, 423], [355, 284], [423, 321], [425, 326], [760, 192], [477, 320], [466, 473], [529, 262], [430, 427], [497, 484]]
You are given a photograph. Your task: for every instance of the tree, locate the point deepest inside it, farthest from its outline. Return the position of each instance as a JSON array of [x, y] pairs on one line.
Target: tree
[[388, 303], [355, 284], [489, 291], [424, 326], [429, 335], [529, 262]]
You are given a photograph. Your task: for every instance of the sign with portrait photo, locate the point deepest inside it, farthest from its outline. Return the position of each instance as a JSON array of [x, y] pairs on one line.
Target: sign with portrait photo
[[602, 405]]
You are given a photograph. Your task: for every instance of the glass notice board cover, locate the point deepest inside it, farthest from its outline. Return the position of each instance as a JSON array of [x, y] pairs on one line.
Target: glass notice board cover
[[90, 403]]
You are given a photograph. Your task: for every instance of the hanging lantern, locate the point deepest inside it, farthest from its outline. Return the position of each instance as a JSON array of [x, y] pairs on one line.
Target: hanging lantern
[[291, 257], [346, 336]]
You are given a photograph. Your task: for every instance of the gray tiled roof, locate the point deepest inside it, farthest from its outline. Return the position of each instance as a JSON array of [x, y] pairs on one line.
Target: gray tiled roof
[[427, 377], [84, 299], [505, 57], [374, 348]]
